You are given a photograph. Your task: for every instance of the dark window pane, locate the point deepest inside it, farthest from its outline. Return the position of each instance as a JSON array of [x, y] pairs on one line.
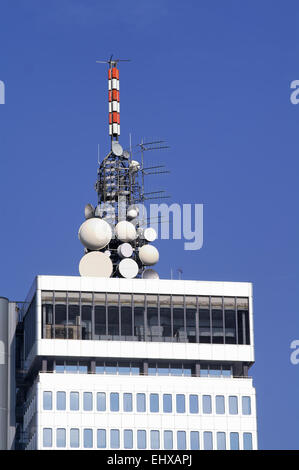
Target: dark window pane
[[126, 314], [86, 321], [165, 317], [100, 315], [179, 333], [139, 309], [230, 320], [204, 320], [217, 320], [153, 328]]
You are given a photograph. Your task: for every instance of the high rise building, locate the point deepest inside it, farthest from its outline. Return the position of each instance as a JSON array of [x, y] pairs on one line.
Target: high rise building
[[117, 358]]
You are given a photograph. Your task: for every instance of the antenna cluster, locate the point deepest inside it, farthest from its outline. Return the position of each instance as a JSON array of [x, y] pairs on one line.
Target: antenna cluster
[[115, 234]]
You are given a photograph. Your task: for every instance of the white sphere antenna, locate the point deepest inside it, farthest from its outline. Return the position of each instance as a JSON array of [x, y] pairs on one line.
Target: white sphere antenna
[[148, 255], [95, 233]]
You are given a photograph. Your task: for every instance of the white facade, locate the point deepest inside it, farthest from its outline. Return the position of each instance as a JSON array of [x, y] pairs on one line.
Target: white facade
[[222, 411]]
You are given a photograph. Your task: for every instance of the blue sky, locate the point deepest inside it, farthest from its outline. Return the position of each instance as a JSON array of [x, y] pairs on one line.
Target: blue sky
[[212, 78]]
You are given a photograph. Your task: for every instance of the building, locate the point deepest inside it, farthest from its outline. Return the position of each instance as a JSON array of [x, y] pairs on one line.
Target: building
[[117, 358], [142, 364]]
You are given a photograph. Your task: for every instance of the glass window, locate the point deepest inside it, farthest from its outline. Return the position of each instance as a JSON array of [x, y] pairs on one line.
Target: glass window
[[100, 368], [60, 400], [215, 370], [86, 314], [220, 406], [179, 332], [82, 368], [87, 401], [208, 440], [163, 369], [128, 439], [124, 368], [114, 402], [247, 441], [153, 328], [168, 440], [204, 320], [141, 439], [101, 438], [152, 369], [139, 317], [176, 369], [74, 329], [206, 404], [101, 401], [180, 403], [165, 317], [47, 437], [141, 406], [204, 372], [59, 367], [154, 403], [234, 441], [155, 439], [233, 405], [226, 371], [194, 440], [246, 406], [74, 437], [113, 315], [217, 320], [126, 314], [187, 370], [167, 403], [230, 320], [114, 438], [60, 437], [100, 315], [221, 441], [243, 321], [181, 440], [111, 368], [60, 315], [191, 308], [47, 400], [193, 403], [128, 402], [74, 401], [88, 440], [135, 369], [71, 367]]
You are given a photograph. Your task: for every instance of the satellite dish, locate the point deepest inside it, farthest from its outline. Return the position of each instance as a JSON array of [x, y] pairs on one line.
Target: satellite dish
[[126, 154], [128, 268], [148, 255], [134, 166], [150, 234], [95, 234], [88, 211], [125, 250], [132, 212], [107, 253], [125, 231], [150, 274], [95, 264], [117, 149]]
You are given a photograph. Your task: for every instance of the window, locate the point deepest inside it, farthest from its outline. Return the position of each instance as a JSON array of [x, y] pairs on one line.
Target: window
[[47, 400], [154, 402], [221, 441], [114, 402], [87, 435], [215, 371], [208, 440], [155, 439], [168, 440], [246, 406], [128, 405], [60, 400], [204, 320], [230, 320], [181, 440], [101, 438], [87, 401], [74, 437], [165, 317], [101, 401], [234, 441], [167, 403], [86, 315], [179, 332], [206, 404], [60, 437], [191, 318], [247, 441], [176, 369], [194, 440], [126, 314], [47, 437], [124, 368], [217, 320], [180, 403], [100, 368], [128, 439], [113, 315], [74, 401], [233, 405], [220, 407], [193, 403], [243, 321], [100, 315], [114, 438], [111, 368], [141, 406], [59, 367], [141, 439]]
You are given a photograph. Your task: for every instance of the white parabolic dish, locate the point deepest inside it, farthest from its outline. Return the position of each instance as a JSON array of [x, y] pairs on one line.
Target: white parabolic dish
[[125, 231], [95, 264], [128, 268], [148, 255], [95, 233]]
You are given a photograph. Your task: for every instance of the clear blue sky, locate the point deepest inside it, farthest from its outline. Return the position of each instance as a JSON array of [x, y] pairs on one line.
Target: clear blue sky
[[213, 75]]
